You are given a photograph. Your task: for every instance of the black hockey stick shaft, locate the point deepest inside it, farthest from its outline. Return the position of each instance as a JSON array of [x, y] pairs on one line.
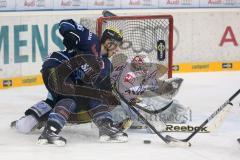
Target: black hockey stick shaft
[[142, 118], [212, 116], [148, 124], [155, 111], [107, 13]]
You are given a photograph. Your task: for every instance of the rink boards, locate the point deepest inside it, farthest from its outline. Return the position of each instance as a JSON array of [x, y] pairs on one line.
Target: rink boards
[[204, 40]]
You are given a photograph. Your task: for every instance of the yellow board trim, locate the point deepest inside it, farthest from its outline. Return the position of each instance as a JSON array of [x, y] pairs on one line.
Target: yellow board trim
[[21, 81], [206, 67], [177, 68]]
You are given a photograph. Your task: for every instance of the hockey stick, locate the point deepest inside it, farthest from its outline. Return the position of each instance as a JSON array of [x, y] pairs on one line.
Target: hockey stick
[[107, 13], [228, 102], [218, 120], [154, 111], [166, 139]]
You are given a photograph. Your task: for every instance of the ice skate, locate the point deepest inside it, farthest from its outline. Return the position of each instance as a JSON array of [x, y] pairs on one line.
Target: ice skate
[[50, 136], [108, 132]]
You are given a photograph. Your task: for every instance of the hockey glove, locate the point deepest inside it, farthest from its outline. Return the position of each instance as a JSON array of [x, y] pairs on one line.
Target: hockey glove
[[169, 88], [71, 40]]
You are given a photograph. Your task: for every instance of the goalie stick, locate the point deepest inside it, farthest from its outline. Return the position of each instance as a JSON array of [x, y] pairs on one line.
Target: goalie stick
[[228, 102], [154, 111]]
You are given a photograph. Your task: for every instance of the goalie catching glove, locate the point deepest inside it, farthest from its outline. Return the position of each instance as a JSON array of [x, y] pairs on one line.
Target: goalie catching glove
[[169, 88]]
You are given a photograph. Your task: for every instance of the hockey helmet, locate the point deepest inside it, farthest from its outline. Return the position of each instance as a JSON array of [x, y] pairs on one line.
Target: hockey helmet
[[113, 34]]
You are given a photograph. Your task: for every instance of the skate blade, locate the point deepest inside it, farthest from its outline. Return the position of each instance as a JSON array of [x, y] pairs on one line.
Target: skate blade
[[57, 143], [107, 139], [180, 144]]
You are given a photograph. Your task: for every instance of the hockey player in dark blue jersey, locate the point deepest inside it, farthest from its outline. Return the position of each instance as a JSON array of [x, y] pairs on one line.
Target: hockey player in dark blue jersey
[[76, 78]]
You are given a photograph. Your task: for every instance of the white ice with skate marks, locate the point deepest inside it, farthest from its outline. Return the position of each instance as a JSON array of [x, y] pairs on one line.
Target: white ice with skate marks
[[203, 92]]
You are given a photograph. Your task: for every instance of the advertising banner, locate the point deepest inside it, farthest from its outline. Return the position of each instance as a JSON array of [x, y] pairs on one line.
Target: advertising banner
[[27, 38], [203, 41], [206, 36], [219, 3], [34, 4], [18, 5], [70, 4], [7, 5], [103, 4], [139, 4], [178, 3]]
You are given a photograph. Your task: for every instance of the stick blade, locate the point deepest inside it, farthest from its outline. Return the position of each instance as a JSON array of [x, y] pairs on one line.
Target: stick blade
[[176, 142]]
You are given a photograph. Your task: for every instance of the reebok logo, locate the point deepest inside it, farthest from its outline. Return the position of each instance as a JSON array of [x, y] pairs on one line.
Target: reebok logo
[[187, 128]]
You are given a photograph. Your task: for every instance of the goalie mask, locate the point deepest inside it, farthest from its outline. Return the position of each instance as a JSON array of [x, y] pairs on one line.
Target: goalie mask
[[140, 62]]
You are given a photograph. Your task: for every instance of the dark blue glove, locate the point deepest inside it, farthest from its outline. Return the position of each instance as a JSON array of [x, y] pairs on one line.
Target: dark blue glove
[[71, 40]]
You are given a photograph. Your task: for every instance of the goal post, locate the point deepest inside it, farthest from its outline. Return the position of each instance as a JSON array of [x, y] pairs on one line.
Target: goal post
[[152, 35]]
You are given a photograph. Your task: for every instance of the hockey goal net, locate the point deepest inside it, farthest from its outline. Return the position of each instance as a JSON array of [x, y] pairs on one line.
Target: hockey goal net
[[152, 35]]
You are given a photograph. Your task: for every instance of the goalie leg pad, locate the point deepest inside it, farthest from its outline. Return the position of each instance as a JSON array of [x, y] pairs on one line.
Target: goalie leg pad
[[176, 113], [154, 103], [122, 112]]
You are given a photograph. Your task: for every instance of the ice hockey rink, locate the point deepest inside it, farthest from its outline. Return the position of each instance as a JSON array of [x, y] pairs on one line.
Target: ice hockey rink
[[202, 92]]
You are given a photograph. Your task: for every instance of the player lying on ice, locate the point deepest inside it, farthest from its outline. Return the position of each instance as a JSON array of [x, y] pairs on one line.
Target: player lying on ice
[[89, 85], [141, 83]]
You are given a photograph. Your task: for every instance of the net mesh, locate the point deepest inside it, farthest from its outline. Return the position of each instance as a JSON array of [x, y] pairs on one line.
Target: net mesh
[[140, 36]]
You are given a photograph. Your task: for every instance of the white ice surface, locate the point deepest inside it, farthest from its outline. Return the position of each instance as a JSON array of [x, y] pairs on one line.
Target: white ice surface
[[203, 92]]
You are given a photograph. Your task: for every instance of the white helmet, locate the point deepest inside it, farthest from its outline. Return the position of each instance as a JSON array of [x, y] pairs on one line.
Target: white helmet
[[140, 62]]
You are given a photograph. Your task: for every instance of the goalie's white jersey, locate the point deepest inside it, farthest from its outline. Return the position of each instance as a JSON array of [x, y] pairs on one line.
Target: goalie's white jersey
[[131, 83]]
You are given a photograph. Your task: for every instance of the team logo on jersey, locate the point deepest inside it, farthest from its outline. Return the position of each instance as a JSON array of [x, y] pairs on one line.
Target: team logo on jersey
[[129, 78], [80, 27]]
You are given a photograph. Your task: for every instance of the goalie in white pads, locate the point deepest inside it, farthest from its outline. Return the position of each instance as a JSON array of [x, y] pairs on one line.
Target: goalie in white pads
[[140, 82]]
